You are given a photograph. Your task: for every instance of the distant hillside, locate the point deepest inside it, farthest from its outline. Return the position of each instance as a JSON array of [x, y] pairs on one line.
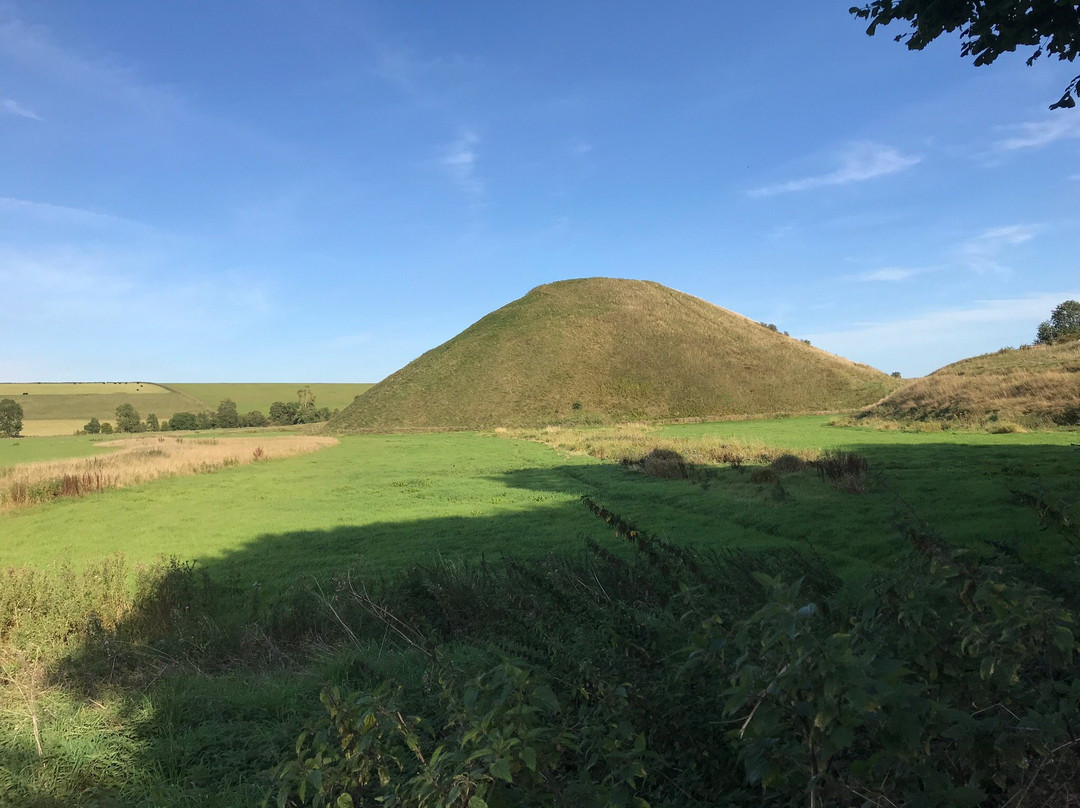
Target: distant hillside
[[61, 408], [1036, 385], [605, 350], [259, 396]]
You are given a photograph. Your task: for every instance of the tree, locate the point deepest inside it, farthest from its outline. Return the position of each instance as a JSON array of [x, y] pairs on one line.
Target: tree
[[152, 424], [183, 420], [127, 419], [106, 428], [226, 416], [11, 418], [203, 421], [1063, 325], [283, 413], [93, 427], [253, 418], [987, 30]]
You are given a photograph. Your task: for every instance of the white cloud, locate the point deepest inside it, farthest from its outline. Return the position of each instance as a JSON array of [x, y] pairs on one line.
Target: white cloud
[[1036, 134], [860, 162], [982, 253], [888, 274], [459, 160], [12, 107]]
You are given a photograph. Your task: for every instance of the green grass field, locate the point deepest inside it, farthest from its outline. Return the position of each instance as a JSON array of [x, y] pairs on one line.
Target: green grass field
[[387, 501], [186, 729]]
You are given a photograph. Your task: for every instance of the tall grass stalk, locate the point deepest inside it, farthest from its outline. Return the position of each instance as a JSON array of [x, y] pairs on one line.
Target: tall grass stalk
[[138, 460]]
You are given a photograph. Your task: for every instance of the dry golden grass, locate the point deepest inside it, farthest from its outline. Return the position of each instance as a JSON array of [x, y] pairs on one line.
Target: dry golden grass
[[1034, 386], [632, 442], [139, 460], [606, 351]]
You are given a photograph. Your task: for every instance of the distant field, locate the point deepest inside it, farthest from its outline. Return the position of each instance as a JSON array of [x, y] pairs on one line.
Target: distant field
[[62, 408], [260, 396]]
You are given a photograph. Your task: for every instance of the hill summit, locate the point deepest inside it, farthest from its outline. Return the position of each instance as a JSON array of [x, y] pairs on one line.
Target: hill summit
[[608, 350]]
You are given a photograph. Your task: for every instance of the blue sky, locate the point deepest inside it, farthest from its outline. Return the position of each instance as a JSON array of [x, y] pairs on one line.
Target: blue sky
[[271, 191]]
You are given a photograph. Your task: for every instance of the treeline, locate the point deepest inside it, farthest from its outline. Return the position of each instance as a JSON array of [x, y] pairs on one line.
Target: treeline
[[226, 416]]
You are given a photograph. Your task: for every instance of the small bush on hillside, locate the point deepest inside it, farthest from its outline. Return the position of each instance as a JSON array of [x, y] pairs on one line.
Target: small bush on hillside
[[93, 427]]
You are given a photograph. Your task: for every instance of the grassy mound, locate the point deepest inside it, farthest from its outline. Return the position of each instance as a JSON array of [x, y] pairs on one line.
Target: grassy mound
[[1032, 386], [601, 350]]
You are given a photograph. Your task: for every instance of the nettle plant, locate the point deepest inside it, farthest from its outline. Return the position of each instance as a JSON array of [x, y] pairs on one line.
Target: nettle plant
[[950, 684]]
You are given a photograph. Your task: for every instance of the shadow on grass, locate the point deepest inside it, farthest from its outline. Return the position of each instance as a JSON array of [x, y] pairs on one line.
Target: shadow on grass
[[203, 685]]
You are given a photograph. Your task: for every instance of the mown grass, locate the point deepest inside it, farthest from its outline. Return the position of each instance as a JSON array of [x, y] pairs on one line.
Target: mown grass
[[30, 450]]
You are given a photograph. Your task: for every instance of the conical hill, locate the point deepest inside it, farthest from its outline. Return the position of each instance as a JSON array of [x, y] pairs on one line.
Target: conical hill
[[607, 350]]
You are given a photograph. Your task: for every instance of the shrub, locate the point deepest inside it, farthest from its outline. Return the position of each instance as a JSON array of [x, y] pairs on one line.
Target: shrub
[[665, 463], [788, 463], [93, 427]]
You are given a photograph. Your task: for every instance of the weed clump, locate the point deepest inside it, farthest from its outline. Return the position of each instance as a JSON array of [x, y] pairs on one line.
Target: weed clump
[[846, 470]]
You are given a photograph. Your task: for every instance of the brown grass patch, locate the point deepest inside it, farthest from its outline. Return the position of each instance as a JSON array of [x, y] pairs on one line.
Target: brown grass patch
[[1033, 387], [631, 442], [139, 460]]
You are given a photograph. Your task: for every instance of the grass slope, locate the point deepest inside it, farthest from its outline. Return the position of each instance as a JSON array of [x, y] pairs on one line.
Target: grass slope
[[606, 350], [1033, 386], [259, 396]]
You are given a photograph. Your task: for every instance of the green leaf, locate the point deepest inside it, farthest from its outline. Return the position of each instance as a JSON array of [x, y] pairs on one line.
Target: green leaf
[[528, 755], [501, 769], [477, 802], [344, 801]]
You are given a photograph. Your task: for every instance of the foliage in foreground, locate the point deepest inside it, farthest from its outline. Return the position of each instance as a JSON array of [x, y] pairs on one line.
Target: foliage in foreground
[[678, 679], [659, 677]]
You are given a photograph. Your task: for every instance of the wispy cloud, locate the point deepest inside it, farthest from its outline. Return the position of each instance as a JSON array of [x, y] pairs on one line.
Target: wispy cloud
[[105, 80], [859, 162], [459, 158], [1037, 134], [936, 338], [888, 274], [983, 253], [10, 106], [61, 214]]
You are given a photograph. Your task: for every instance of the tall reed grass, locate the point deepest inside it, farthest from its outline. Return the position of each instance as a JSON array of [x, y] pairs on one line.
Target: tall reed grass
[[139, 460]]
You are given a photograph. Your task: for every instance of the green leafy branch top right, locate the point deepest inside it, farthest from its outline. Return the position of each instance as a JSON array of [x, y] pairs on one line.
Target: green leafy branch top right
[[987, 29]]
